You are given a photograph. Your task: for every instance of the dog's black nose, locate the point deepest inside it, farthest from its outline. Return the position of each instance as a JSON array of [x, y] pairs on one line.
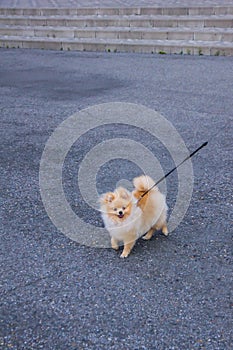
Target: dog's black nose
[[120, 212]]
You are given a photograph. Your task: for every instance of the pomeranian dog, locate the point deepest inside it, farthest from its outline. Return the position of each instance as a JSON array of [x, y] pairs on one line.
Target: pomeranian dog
[[128, 216]]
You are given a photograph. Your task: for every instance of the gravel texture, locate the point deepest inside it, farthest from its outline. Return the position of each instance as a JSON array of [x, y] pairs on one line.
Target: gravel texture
[[171, 293]]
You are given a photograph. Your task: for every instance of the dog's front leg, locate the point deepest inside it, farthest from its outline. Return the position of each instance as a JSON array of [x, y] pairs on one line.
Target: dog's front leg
[[129, 242], [114, 243]]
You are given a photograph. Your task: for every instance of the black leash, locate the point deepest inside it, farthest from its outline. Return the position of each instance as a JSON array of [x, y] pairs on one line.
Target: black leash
[[164, 177]]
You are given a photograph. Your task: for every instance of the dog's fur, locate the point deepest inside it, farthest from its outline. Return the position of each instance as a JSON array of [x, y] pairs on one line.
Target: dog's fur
[[126, 219]]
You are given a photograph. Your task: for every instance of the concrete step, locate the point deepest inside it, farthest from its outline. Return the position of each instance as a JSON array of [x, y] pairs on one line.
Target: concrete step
[[156, 10], [119, 45], [209, 34], [147, 21], [192, 30]]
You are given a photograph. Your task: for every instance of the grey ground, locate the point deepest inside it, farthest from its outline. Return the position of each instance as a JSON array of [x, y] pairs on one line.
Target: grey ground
[[171, 293]]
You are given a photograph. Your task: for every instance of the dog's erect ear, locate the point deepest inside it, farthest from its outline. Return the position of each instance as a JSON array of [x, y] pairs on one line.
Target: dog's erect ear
[[107, 197], [123, 193]]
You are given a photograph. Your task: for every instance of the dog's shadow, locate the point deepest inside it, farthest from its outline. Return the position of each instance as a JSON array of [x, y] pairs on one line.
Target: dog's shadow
[[144, 248]]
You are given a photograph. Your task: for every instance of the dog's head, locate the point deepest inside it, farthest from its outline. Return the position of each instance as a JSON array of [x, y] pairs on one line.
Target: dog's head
[[117, 204]]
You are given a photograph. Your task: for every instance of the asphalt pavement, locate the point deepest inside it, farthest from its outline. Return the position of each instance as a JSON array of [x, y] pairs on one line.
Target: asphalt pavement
[[172, 292]]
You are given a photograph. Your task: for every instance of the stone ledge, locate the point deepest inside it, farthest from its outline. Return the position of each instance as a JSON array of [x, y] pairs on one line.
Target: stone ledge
[[137, 10], [123, 21], [208, 34], [143, 46]]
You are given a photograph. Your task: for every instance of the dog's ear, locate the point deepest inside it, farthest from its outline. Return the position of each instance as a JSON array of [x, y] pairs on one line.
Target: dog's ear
[[123, 193], [107, 197]]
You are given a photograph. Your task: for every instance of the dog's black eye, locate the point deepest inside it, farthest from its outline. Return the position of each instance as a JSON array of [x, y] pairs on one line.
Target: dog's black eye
[[123, 208], [115, 209]]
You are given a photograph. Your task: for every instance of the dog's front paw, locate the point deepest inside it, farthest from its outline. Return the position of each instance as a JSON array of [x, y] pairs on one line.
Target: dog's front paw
[[124, 254], [165, 230], [146, 238]]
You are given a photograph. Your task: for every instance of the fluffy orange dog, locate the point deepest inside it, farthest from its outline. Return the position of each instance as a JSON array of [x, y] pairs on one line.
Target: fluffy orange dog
[[127, 219]]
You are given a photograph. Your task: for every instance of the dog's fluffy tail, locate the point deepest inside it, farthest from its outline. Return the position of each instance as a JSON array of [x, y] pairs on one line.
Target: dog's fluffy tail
[[143, 183]]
